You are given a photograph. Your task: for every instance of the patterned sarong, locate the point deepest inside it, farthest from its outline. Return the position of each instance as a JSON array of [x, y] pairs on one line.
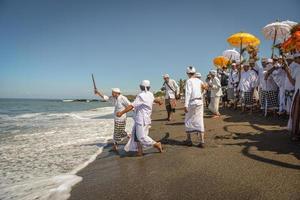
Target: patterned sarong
[[119, 131]]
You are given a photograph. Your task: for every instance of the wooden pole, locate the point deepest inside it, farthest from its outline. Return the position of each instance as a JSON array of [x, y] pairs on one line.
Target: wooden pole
[[274, 41], [95, 87]]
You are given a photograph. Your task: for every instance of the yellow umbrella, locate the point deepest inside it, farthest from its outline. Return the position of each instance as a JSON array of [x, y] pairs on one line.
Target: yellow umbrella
[[243, 39], [220, 61]]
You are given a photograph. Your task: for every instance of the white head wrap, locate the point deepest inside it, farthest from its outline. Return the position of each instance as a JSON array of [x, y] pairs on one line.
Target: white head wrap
[[213, 72], [190, 70], [117, 90], [166, 76], [198, 75], [145, 83]]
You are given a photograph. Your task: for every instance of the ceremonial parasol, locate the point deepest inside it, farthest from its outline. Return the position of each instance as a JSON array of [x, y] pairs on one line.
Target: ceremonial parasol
[[220, 61], [232, 54], [242, 39], [290, 23], [276, 30]]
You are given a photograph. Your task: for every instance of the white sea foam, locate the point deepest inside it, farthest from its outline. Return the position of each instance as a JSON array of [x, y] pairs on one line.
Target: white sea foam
[[40, 157]]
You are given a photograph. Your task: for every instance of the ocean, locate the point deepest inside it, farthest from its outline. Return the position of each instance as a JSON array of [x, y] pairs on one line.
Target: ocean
[[44, 143]]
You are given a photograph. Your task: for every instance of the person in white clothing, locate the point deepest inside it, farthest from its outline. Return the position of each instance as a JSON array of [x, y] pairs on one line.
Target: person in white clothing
[[268, 88], [193, 107], [278, 75], [215, 94], [171, 93], [120, 102], [233, 80], [142, 106], [294, 120], [289, 88], [247, 85]]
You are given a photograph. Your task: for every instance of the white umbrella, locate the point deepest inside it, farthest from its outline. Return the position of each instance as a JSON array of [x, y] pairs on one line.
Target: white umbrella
[[290, 23], [276, 30], [232, 54]]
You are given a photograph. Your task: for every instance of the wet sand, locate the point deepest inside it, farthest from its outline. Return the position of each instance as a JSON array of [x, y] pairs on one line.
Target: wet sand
[[246, 157]]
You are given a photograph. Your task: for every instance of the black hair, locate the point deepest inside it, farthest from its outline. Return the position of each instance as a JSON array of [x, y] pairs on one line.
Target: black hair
[[143, 88]]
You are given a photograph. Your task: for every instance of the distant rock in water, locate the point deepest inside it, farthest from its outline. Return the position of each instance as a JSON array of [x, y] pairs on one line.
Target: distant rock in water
[[80, 100]]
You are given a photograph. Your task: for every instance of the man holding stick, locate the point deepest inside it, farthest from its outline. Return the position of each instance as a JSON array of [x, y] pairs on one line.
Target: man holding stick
[[120, 102]]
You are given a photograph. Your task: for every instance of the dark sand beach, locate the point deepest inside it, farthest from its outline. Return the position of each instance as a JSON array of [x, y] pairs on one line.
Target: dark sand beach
[[246, 157]]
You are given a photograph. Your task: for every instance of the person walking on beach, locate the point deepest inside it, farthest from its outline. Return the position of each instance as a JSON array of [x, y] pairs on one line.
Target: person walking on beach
[[193, 107], [120, 102], [171, 93], [142, 106], [215, 94]]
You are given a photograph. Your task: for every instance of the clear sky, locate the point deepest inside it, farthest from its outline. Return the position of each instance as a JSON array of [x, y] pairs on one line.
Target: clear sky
[[49, 48]]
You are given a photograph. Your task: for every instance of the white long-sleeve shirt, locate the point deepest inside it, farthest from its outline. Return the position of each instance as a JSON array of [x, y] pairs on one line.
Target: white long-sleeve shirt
[[287, 84], [120, 103], [248, 81], [233, 78], [216, 88], [143, 108], [193, 92]]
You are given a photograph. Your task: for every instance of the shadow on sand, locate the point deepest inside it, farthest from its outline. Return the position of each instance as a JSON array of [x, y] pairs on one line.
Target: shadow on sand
[[277, 141]]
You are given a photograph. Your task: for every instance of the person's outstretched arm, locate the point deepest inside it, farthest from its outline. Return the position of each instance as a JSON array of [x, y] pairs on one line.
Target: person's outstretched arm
[[106, 98], [126, 110]]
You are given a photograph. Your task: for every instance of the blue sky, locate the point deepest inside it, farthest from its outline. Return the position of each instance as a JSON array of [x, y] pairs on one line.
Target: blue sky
[[49, 48]]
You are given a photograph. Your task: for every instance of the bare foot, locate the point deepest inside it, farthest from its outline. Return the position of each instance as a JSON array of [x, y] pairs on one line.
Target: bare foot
[[115, 149], [215, 116], [158, 146], [139, 154]]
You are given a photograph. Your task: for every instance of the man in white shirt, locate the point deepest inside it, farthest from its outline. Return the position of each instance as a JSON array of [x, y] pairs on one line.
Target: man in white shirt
[[289, 88], [246, 86], [233, 80], [279, 75], [172, 91], [268, 88], [294, 120], [142, 106], [215, 94], [120, 102], [193, 107]]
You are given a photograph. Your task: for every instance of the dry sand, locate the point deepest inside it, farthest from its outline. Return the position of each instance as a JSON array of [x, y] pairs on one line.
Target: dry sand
[[246, 157]]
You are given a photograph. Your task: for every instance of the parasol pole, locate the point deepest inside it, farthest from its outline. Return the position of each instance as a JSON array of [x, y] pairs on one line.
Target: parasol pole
[[241, 48], [274, 41]]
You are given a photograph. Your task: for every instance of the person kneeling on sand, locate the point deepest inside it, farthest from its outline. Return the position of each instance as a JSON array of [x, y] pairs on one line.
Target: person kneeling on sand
[[120, 102], [142, 106], [194, 107]]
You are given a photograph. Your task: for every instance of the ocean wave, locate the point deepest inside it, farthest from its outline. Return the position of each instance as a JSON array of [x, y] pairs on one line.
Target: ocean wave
[[44, 152]]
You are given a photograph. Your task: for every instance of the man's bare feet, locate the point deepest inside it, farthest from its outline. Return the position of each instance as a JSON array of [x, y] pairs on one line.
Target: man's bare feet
[[115, 149], [158, 146], [215, 116]]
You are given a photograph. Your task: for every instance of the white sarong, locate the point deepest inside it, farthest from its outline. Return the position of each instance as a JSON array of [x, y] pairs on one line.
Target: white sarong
[[139, 134], [194, 119], [214, 105]]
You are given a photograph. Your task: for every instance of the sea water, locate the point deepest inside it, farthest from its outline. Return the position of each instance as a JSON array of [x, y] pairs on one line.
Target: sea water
[[44, 143]]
